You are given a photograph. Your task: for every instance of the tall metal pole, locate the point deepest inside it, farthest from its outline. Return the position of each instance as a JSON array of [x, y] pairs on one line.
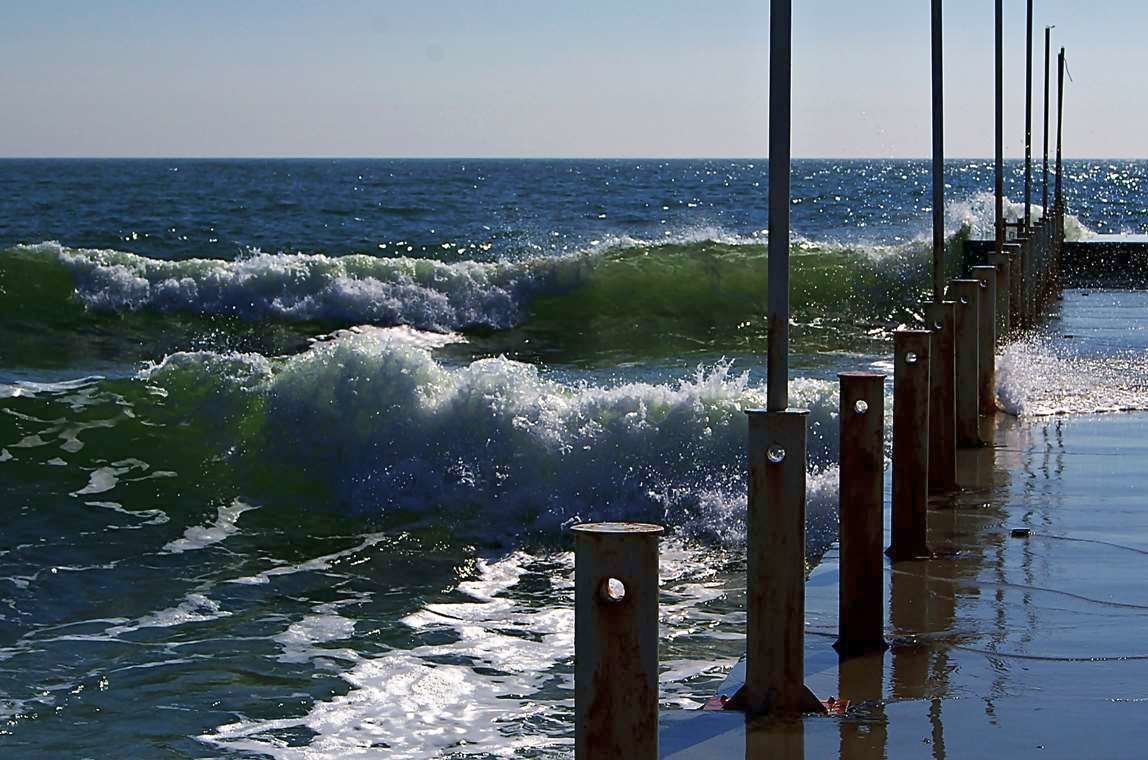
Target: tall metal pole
[[777, 365], [999, 183], [938, 159], [1047, 45], [1059, 126], [1028, 123], [777, 448]]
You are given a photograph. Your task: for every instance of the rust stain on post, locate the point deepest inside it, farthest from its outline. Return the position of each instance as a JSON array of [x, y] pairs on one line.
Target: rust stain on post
[[861, 618], [967, 295], [616, 640], [941, 319], [910, 443], [775, 594]]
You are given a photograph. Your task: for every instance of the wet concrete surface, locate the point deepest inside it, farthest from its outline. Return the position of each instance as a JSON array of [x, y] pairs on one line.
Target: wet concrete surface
[[1025, 635]]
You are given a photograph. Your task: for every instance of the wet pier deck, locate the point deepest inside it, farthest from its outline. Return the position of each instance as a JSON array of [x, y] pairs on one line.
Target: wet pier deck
[[1005, 645], [1101, 261]]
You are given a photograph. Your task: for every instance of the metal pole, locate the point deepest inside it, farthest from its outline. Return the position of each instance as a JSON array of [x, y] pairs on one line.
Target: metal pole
[[999, 178], [1047, 43], [910, 444], [967, 295], [775, 595], [942, 320], [616, 640], [1028, 124], [777, 365], [861, 618], [1059, 128], [938, 158]]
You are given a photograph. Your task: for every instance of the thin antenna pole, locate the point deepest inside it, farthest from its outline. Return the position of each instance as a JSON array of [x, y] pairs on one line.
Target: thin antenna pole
[[999, 183], [1028, 123], [1059, 127], [938, 159], [1047, 47], [777, 363]]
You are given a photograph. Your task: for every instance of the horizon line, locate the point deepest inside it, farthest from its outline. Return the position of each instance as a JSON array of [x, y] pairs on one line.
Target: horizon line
[[1036, 160]]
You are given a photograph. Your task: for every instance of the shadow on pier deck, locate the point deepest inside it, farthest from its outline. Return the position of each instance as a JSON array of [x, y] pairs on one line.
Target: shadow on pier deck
[[1003, 645]]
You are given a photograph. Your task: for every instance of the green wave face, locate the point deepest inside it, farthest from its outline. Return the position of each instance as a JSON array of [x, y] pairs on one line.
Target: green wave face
[[707, 297], [630, 302], [44, 325]]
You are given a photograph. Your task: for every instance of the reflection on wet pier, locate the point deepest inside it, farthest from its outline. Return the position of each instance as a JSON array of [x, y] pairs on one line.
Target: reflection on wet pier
[[1022, 635]]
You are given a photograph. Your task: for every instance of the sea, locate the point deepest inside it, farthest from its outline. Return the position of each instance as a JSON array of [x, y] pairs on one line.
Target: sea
[[289, 449]]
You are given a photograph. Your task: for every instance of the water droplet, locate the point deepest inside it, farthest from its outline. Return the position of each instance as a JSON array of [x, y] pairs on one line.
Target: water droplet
[[776, 454], [861, 406], [911, 358]]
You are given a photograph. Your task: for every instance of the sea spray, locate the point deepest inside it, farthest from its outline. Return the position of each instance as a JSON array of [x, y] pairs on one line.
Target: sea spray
[[496, 445]]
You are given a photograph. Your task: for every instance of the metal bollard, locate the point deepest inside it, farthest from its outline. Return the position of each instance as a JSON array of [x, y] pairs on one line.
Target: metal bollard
[[942, 320], [986, 336], [967, 295], [1016, 294], [1003, 265], [987, 353], [910, 444], [861, 619], [616, 640], [775, 582]]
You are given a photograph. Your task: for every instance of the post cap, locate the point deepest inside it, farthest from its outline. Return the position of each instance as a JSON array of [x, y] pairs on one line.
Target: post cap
[[615, 528]]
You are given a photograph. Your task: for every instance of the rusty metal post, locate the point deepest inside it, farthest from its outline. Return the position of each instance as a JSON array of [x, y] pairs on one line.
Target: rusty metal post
[[1016, 293], [775, 582], [911, 350], [986, 355], [942, 320], [616, 640], [967, 295], [861, 619], [986, 333], [1002, 262]]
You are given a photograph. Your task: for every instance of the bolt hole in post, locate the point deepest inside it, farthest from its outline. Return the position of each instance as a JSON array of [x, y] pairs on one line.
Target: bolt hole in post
[[861, 406], [612, 591], [911, 358]]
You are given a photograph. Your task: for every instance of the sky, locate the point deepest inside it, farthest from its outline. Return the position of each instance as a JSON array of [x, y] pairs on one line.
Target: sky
[[545, 78]]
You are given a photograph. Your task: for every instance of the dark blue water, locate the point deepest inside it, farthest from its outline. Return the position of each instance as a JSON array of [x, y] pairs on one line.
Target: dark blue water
[[488, 209]]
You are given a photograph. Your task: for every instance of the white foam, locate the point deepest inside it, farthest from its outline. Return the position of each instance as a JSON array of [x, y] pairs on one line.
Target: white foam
[[202, 536], [977, 214], [404, 431], [1041, 376], [425, 293], [193, 608]]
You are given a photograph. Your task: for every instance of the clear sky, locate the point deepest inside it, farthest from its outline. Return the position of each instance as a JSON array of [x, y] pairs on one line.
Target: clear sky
[[543, 77]]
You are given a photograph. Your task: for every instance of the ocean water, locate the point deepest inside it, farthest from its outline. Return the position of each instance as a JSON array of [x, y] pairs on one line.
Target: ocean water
[[288, 448]]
